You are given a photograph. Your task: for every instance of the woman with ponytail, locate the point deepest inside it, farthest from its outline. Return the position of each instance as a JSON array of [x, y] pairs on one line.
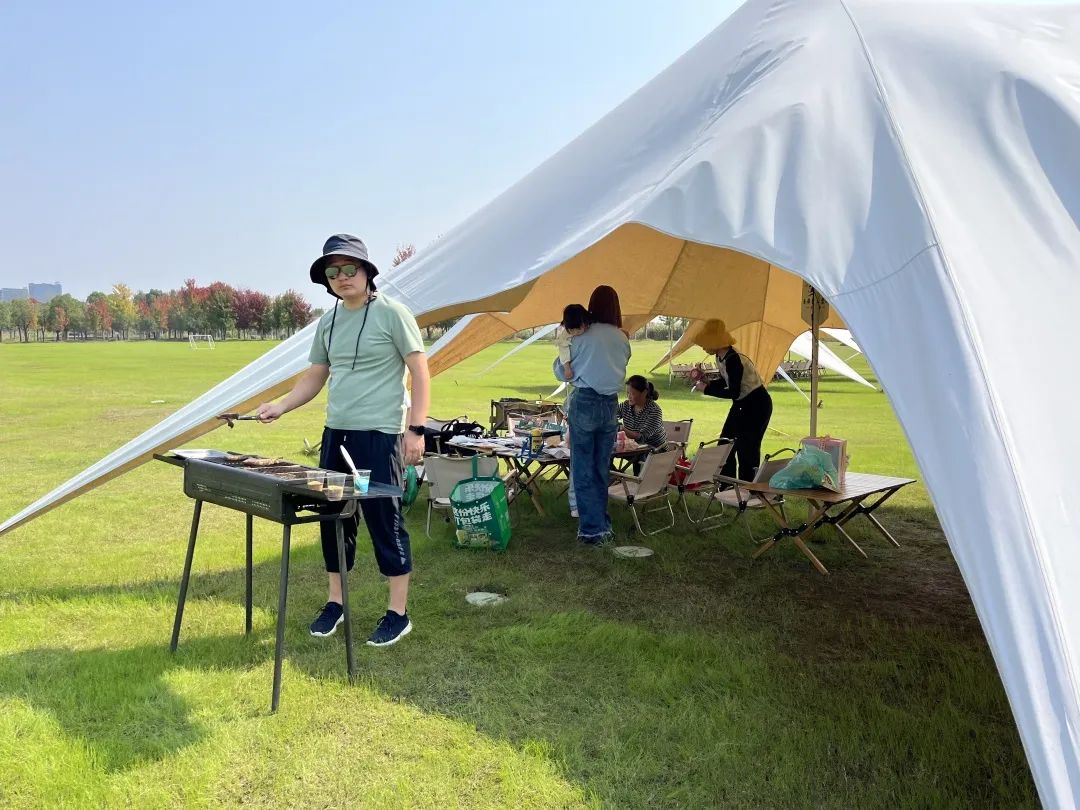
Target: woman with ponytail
[[642, 419]]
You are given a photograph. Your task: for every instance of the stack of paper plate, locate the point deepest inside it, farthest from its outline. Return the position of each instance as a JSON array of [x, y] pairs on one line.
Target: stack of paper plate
[[484, 598], [632, 551]]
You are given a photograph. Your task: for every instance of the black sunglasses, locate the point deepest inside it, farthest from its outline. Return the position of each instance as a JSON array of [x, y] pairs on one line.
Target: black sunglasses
[[347, 270]]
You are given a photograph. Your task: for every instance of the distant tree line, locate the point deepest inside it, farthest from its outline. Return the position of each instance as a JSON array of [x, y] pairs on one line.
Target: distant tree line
[[217, 309]]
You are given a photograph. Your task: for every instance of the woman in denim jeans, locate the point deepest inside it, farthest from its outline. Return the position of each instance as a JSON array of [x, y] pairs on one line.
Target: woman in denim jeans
[[599, 358]]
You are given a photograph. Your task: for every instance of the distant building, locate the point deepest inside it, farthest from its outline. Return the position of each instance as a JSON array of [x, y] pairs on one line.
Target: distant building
[[44, 292], [13, 293]]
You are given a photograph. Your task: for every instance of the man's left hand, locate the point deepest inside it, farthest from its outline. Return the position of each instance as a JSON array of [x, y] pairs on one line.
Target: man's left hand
[[414, 448]]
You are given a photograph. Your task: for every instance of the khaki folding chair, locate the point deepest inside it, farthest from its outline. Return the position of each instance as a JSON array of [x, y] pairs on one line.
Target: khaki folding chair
[[741, 499], [443, 473], [700, 481], [651, 486], [678, 432]]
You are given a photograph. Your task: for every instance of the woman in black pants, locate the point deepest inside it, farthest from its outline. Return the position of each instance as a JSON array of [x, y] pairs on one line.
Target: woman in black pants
[[751, 407]]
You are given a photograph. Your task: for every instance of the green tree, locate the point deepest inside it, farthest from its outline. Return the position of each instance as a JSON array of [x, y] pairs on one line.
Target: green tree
[[65, 313], [5, 317], [56, 318], [220, 308], [24, 317]]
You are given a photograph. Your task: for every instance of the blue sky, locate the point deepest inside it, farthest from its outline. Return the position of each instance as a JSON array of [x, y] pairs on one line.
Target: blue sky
[[147, 143]]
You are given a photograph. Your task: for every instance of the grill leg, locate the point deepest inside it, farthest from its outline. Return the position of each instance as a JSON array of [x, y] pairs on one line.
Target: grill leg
[[186, 578], [283, 592], [340, 531], [247, 581]]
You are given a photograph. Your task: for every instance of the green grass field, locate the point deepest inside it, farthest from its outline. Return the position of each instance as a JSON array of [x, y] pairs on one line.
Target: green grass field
[[694, 678]]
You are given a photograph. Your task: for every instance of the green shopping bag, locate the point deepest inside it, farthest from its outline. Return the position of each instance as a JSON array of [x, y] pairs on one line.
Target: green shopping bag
[[481, 512]]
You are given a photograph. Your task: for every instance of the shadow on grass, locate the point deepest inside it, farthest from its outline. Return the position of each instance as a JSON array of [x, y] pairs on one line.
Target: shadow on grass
[[117, 701], [694, 673]]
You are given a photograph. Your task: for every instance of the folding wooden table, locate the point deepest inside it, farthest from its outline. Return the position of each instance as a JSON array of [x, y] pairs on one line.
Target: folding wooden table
[[826, 508]]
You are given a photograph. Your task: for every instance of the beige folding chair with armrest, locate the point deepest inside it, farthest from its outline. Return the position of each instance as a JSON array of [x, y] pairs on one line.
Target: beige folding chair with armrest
[[652, 485], [677, 432], [700, 480], [443, 473], [741, 499]]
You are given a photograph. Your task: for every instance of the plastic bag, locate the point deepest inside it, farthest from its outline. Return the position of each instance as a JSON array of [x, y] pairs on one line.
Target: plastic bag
[[481, 512], [810, 468]]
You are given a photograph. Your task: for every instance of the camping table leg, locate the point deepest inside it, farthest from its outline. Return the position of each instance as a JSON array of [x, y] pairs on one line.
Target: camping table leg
[[247, 578], [859, 509], [186, 577], [283, 593], [527, 481], [836, 521], [797, 535], [342, 567]]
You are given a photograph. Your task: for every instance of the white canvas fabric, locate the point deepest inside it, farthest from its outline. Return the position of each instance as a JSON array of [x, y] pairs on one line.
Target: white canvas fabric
[[803, 346], [843, 336], [917, 163]]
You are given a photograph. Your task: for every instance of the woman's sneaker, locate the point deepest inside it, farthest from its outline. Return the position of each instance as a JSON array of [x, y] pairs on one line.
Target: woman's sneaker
[[328, 620], [390, 629]]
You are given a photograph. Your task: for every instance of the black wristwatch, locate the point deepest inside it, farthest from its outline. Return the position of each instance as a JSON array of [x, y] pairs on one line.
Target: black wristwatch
[[417, 429]]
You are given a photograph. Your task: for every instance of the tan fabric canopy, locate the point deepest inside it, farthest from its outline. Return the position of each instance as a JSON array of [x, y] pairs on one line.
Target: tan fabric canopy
[[654, 274]]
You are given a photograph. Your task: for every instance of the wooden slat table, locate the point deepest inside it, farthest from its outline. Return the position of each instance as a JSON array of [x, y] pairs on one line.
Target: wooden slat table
[[826, 508]]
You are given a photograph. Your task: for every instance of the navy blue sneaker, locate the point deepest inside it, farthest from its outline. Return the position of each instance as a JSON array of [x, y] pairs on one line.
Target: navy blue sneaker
[[390, 630], [328, 620]]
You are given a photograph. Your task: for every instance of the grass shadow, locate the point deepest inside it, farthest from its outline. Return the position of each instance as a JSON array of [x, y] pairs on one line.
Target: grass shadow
[[117, 702], [695, 673]]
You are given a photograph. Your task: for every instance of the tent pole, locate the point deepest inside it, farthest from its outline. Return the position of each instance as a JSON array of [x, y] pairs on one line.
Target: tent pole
[[671, 348], [814, 365]]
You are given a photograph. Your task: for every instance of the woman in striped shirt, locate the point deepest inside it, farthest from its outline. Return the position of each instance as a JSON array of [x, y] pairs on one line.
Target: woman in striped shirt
[[642, 419]]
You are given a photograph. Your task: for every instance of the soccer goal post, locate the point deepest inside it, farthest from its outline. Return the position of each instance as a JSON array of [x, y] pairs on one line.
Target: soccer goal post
[[195, 341]]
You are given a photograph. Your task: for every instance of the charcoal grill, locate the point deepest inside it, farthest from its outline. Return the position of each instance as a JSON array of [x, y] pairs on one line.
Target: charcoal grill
[[278, 492]]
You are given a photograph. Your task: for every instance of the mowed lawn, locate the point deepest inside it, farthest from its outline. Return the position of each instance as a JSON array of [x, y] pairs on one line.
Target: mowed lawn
[[693, 678]]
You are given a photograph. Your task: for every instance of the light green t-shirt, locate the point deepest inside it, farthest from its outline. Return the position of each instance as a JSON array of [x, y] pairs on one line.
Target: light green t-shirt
[[367, 379]]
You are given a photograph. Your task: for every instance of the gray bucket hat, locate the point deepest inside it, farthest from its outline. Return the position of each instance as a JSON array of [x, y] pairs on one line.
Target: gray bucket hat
[[342, 244]]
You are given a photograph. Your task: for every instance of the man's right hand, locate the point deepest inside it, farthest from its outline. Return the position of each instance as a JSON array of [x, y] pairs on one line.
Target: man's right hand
[[269, 411]]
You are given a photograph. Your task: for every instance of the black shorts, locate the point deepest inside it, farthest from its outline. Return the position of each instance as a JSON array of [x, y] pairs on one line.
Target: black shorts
[[382, 454]]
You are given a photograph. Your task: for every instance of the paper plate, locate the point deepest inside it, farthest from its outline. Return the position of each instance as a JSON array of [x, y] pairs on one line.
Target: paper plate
[[632, 551], [484, 598]]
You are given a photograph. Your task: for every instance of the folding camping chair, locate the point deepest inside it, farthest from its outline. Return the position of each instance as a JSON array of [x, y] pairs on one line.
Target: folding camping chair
[[652, 485], [443, 473], [741, 500], [700, 480], [678, 432]]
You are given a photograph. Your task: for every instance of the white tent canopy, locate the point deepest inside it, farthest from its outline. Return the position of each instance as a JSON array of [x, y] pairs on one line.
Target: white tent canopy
[[803, 346], [843, 336], [918, 164]]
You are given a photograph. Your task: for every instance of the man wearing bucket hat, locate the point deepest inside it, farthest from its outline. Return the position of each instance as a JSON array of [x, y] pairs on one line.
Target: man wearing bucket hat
[[751, 406], [363, 346]]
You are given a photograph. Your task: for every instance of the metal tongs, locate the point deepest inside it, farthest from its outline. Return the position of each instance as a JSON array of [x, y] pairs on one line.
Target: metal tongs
[[235, 417]]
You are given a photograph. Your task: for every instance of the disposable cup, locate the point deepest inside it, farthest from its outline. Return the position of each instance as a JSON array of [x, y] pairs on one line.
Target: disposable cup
[[362, 480], [335, 486]]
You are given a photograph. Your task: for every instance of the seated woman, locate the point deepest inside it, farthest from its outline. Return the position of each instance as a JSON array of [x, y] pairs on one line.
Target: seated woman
[[642, 419]]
